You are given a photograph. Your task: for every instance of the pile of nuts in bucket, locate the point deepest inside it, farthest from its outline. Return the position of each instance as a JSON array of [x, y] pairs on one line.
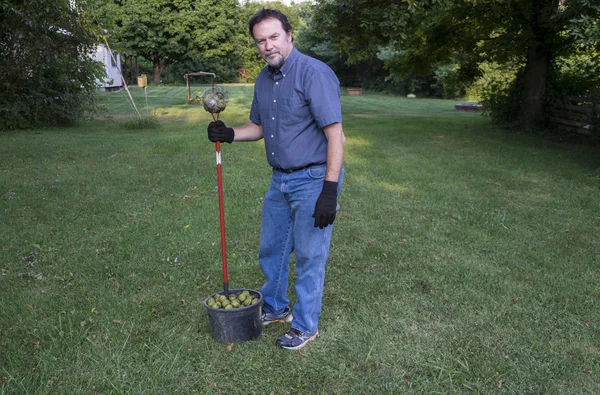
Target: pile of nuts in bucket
[[234, 301]]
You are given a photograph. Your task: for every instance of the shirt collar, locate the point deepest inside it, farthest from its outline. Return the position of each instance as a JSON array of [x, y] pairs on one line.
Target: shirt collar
[[285, 69]]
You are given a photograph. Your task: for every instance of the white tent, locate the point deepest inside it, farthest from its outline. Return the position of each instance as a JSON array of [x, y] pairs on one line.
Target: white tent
[[112, 65]]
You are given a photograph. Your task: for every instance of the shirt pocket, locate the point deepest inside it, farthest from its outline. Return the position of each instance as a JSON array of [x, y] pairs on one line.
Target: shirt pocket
[[295, 111]]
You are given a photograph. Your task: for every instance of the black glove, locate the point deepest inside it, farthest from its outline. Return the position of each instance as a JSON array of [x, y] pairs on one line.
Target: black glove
[[217, 131], [326, 205]]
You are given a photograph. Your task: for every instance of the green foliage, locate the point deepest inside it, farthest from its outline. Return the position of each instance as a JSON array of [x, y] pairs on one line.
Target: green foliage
[[448, 81], [424, 35], [206, 36], [492, 76], [501, 94], [47, 70], [157, 30], [369, 74], [578, 74], [427, 33], [584, 27], [187, 36]]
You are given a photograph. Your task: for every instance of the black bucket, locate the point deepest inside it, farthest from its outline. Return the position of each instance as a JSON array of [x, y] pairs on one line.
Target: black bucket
[[235, 325]]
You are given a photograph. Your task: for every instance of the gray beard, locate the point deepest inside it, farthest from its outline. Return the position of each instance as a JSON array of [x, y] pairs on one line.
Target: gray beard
[[276, 64]]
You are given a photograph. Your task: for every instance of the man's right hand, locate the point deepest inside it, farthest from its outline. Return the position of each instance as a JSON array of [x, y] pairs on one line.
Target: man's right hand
[[217, 131]]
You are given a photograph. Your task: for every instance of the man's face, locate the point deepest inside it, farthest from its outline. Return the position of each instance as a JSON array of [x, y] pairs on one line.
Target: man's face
[[273, 43]]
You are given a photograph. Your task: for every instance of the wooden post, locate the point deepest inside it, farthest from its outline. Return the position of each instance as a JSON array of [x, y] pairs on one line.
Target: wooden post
[[187, 86]]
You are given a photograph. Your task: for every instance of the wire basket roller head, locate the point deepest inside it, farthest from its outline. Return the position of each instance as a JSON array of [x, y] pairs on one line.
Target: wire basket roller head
[[214, 100]]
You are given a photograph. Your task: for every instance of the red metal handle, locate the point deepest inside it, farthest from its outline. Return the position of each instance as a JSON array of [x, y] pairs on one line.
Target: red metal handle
[[222, 219]]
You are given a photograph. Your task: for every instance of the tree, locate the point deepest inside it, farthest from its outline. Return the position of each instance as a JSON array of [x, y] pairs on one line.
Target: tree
[[47, 69], [367, 72], [158, 30], [429, 33], [167, 32]]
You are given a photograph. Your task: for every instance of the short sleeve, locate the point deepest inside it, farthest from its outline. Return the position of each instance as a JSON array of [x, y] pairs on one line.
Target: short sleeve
[[323, 94], [254, 111]]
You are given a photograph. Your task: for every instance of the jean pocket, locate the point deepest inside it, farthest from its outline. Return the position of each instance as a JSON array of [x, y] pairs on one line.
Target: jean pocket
[[317, 172]]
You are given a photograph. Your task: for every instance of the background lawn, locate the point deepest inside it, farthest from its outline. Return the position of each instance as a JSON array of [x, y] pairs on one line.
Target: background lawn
[[464, 259]]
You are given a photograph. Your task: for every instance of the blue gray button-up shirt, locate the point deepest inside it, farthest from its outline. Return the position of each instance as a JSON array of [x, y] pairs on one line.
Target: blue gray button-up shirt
[[293, 105]]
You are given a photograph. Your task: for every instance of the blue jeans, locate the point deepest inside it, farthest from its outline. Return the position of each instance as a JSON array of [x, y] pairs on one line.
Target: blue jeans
[[288, 226]]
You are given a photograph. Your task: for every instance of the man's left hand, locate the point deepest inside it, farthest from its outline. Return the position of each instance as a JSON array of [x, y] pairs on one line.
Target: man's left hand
[[326, 206]]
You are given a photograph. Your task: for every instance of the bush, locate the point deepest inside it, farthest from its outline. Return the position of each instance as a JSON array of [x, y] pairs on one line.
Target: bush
[[447, 82], [578, 74], [499, 89], [46, 65]]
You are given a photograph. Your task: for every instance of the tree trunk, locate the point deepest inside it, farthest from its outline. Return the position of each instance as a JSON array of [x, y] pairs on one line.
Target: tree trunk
[[156, 73], [539, 56], [157, 69], [534, 85]]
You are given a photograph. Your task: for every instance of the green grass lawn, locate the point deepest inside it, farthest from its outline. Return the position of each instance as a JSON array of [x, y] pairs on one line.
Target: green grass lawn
[[464, 259]]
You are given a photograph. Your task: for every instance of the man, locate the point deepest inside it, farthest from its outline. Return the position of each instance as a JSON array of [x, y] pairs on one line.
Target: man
[[296, 110]]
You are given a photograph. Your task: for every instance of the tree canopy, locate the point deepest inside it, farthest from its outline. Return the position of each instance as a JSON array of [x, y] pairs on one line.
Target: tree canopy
[[211, 33], [415, 36]]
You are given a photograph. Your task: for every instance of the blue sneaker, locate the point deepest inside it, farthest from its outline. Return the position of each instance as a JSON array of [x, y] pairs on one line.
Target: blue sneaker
[[295, 339], [268, 318]]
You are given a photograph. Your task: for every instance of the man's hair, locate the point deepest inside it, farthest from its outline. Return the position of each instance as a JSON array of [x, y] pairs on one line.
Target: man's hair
[[268, 13]]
